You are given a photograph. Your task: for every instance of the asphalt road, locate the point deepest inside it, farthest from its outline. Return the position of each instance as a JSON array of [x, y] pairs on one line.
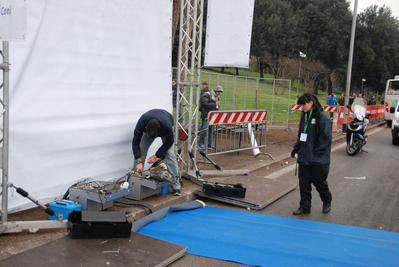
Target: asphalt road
[[365, 191], [365, 187]]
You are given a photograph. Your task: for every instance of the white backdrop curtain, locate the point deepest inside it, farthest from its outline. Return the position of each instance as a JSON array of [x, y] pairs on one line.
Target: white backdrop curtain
[[87, 71], [228, 33]]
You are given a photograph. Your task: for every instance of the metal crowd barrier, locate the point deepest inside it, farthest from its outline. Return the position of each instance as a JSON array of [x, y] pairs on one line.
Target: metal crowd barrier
[[238, 130]]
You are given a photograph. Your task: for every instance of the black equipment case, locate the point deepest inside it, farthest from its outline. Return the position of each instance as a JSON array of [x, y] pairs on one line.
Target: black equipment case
[[223, 190], [98, 224]]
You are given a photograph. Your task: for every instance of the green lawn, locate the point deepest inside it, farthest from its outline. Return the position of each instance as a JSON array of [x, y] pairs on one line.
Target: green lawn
[[249, 92]]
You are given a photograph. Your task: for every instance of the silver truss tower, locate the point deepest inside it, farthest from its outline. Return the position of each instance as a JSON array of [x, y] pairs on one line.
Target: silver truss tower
[[5, 67], [188, 80]]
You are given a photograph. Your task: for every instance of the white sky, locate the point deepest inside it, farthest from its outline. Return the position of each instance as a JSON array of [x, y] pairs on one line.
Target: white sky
[[363, 4]]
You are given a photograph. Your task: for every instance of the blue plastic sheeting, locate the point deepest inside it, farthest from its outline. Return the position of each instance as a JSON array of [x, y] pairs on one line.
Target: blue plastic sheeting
[[265, 240]]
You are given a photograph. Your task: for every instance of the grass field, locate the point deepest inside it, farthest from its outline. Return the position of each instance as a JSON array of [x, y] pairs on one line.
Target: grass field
[[249, 92]]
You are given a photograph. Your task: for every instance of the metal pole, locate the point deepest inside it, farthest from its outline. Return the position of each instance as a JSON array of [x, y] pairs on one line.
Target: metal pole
[[349, 73], [4, 154], [299, 79], [274, 88], [363, 80], [200, 14], [362, 87], [289, 107]]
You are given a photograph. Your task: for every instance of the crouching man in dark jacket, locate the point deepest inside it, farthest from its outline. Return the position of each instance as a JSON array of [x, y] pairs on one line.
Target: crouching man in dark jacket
[[152, 124], [313, 148]]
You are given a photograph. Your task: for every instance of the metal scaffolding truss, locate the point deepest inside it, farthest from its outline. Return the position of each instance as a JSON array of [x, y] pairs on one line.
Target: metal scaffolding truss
[[188, 81], [4, 66]]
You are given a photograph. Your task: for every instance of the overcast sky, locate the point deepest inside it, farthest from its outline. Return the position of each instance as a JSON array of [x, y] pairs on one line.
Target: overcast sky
[[363, 4]]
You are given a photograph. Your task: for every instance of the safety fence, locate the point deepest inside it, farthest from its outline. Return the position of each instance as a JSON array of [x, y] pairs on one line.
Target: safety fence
[[325, 108], [297, 107], [250, 93], [376, 112], [235, 131]]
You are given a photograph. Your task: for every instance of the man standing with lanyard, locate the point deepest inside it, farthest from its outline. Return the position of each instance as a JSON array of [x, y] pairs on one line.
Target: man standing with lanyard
[[313, 149]]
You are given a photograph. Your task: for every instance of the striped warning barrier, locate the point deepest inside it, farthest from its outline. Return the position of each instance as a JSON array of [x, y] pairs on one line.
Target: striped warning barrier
[[325, 108], [296, 107], [216, 118], [234, 131], [330, 108]]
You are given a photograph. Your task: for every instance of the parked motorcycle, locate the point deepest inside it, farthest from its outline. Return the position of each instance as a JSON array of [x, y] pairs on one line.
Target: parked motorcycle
[[356, 136]]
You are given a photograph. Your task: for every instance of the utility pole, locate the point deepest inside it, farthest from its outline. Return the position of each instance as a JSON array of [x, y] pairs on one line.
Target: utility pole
[[301, 56], [363, 80], [349, 73]]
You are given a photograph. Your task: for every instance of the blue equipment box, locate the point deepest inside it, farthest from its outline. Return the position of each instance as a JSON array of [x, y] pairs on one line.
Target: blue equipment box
[[63, 207], [165, 189]]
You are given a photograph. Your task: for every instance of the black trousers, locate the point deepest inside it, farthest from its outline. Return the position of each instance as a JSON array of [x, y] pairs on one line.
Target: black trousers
[[316, 175]]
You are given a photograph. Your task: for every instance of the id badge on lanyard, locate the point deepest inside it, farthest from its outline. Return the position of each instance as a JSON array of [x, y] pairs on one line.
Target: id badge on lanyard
[[304, 135]]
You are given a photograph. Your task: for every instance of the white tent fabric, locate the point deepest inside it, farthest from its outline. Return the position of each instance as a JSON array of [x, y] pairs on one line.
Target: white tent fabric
[[12, 20], [229, 30], [86, 73]]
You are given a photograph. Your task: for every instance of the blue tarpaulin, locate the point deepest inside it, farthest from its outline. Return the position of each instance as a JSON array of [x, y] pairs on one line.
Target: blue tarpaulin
[[265, 240]]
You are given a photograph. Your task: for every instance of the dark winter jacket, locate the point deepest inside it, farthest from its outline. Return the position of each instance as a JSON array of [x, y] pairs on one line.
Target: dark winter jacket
[[317, 149], [208, 103], [166, 121], [174, 96], [203, 91], [341, 101]]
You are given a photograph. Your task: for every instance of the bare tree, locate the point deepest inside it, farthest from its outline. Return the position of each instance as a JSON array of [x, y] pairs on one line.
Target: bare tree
[[175, 18], [312, 72]]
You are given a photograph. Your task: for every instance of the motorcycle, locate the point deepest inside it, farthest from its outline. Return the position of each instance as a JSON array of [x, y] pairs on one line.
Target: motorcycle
[[356, 136]]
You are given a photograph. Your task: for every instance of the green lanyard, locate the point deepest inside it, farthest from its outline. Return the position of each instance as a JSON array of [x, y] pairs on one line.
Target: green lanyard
[[306, 121]]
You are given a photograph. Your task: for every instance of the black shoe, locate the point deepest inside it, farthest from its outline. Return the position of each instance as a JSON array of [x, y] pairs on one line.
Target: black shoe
[[176, 192], [301, 211], [326, 207]]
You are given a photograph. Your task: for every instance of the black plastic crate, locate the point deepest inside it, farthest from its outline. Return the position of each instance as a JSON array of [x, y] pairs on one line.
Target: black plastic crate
[[223, 189]]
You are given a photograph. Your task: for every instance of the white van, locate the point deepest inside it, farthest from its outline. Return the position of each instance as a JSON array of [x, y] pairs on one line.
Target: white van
[[391, 99], [395, 124]]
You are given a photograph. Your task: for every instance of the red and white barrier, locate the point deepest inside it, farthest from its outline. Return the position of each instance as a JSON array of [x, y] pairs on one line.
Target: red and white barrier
[[228, 130], [296, 107], [330, 108], [325, 108], [230, 117], [376, 112]]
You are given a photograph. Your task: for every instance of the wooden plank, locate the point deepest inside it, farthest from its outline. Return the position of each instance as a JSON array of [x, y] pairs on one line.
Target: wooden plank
[[260, 192], [138, 250]]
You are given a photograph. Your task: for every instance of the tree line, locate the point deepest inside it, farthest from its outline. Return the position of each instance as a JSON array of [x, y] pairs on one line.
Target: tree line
[[321, 29]]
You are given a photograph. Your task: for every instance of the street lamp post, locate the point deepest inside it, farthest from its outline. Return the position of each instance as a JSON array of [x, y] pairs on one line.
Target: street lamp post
[[349, 69], [363, 80], [301, 56]]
